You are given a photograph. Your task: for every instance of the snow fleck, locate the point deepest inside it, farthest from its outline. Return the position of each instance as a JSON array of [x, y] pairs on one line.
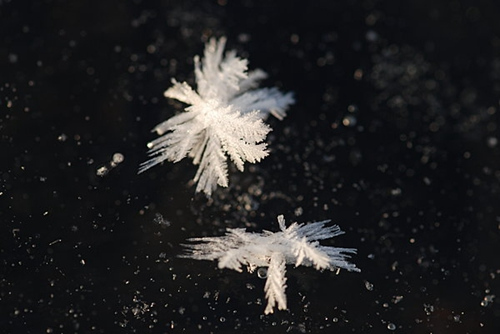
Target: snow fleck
[[349, 120], [161, 221], [488, 299], [428, 309], [117, 158], [13, 58], [299, 211], [102, 171], [62, 137], [492, 142]]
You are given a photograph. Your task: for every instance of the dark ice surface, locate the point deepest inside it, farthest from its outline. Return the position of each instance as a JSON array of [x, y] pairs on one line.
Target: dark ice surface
[[394, 136]]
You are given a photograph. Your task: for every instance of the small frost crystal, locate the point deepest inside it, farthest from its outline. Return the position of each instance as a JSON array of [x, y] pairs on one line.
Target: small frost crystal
[[224, 118], [298, 244]]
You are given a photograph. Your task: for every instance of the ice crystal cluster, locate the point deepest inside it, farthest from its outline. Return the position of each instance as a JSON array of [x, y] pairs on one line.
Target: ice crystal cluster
[[297, 244], [224, 119]]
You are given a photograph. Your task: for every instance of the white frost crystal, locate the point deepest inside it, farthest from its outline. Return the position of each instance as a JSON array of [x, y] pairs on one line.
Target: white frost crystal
[[298, 244], [224, 118]]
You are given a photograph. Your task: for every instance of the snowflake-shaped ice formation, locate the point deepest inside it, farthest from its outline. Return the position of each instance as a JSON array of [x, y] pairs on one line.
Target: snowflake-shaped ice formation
[[224, 119], [298, 244]]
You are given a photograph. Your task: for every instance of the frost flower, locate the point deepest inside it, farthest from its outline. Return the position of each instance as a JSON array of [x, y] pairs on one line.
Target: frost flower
[[298, 244], [224, 118]]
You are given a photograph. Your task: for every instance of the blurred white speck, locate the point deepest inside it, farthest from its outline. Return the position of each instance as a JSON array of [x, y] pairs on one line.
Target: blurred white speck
[[161, 221], [13, 58], [397, 299], [115, 160], [294, 38], [299, 211], [349, 120], [368, 286], [428, 309], [62, 137], [371, 36], [358, 74], [244, 38], [118, 158], [391, 326], [487, 300], [101, 171], [396, 192], [492, 142]]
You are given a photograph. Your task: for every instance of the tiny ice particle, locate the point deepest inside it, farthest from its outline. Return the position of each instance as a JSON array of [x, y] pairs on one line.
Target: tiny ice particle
[[101, 171], [118, 158]]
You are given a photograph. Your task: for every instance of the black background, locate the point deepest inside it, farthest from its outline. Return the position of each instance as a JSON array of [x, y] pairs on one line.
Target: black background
[[394, 136]]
